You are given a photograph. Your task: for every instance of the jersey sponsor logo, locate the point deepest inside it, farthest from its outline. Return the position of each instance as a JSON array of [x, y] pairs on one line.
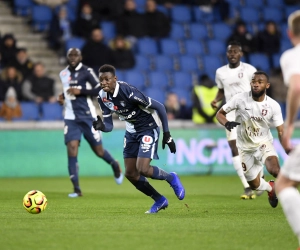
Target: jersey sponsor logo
[[255, 118], [253, 132], [128, 116], [147, 139], [141, 101], [264, 112]]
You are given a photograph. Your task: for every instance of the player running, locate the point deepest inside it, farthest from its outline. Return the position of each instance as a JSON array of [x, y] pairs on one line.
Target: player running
[[231, 79], [79, 84], [255, 113], [142, 115]]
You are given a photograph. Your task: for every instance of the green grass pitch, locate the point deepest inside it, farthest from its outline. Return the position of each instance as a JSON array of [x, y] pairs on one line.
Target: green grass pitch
[[108, 216]]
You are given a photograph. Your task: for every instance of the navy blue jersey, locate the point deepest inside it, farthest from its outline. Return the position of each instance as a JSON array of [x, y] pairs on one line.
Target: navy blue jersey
[[140, 112], [80, 106]]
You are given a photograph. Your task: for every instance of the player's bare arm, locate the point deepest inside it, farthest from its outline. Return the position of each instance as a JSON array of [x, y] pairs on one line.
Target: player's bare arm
[[219, 97], [221, 117]]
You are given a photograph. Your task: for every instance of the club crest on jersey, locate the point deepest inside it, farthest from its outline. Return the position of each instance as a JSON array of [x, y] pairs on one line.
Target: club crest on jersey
[[147, 139], [240, 75], [264, 112], [122, 103], [262, 147]]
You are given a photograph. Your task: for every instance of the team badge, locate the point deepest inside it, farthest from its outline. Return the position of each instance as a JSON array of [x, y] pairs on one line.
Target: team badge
[[240, 75], [147, 139], [264, 112], [262, 147], [122, 103]]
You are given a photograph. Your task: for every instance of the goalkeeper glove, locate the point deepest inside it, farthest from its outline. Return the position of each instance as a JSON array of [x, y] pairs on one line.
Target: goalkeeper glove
[[98, 125], [167, 139], [231, 125]]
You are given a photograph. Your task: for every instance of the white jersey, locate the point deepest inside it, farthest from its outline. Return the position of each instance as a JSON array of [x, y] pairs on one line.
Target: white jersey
[[290, 63], [256, 118], [236, 80]]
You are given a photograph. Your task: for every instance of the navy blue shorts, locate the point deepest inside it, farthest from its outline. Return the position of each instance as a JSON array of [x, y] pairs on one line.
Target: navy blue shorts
[[143, 144], [74, 129]]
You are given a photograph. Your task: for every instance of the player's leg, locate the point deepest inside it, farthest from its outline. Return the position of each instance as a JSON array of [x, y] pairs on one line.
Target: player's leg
[[94, 139], [142, 184], [286, 187], [72, 135]]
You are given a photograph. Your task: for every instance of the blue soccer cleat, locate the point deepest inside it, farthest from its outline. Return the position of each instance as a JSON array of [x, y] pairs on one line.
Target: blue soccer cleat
[[162, 203], [177, 186]]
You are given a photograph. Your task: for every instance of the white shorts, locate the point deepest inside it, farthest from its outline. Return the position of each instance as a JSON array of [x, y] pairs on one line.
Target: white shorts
[[291, 166], [253, 161], [232, 135]]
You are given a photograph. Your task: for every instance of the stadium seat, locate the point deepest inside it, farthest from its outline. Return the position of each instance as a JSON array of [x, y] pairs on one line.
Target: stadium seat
[[235, 3], [188, 63], [250, 14], [71, 12], [210, 64], [30, 112], [170, 47], [193, 47], [284, 45], [108, 29], [120, 75], [198, 31], [163, 9], [181, 14], [163, 63], [147, 46], [177, 31], [221, 31], [23, 7], [159, 80], [182, 95], [260, 61], [183, 80], [275, 3], [140, 3], [135, 78], [142, 62], [276, 60], [290, 9], [202, 16], [253, 4], [216, 47], [156, 94], [74, 4], [51, 112], [41, 17], [283, 31], [272, 13], [75, 42]]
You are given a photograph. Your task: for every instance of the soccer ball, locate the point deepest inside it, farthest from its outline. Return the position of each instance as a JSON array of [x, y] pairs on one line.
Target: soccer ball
[[35, 202]]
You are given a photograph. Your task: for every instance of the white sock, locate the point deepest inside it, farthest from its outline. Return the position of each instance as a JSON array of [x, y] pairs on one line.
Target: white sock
[[290, 202], [238, 167], [264, 186]]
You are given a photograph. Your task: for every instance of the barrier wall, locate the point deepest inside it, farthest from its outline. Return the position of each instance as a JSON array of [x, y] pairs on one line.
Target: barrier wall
[[33, 153]]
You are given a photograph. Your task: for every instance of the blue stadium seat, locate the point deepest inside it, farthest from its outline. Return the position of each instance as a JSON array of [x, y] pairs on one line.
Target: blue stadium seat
[[188, 63], [41, 17], [120, 75], [193, 47], [108, 29], [183, 80], [169, 46], [71, 13], [163, 63], [75, 42], [140, 3], [202, 16], [216, 47], [159, 80], [142, 62], [51, 112], [163, 9], [147, 46], [283, 30], [273, 14], [182, 95], [254, 4], [135, 78], [30, 112], [177, 31], [235, 3], [260, 61], [198, 31], [156, 94], [210, 65], [250, 14], [275, 3], [290, 9], [181, 14], [23, 7], [276, 60], [221, 31], [284, 45]]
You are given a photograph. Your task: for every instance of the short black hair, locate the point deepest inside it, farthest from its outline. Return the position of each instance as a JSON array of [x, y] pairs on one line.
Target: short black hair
[[260, 72], [107, 68], [235, 43]]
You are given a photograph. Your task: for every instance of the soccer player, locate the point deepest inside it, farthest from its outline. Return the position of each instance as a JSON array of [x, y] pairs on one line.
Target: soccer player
[[231, 79], [142, 115], [79, 84], [255, 113], [289, 177]]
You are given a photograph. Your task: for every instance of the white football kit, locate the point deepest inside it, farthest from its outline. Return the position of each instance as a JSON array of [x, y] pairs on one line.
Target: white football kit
[[290, 65], [234, 81], [254, 138]]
